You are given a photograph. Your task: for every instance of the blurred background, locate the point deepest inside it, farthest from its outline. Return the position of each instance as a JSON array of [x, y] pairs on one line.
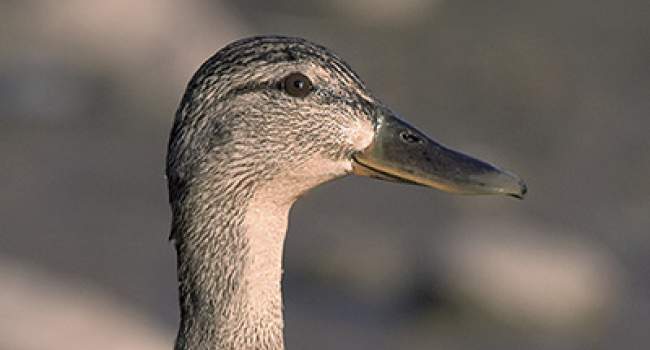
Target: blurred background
[[557, 91]]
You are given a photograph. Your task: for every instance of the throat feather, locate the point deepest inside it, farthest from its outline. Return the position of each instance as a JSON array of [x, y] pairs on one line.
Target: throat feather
[[230, 260]]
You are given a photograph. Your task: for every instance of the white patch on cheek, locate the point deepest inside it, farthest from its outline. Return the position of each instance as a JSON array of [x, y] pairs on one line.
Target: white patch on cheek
[[361, 134], [297, 180]]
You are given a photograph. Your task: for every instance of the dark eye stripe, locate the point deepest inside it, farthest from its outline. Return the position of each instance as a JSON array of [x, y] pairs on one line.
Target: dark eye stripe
[[247, 88]]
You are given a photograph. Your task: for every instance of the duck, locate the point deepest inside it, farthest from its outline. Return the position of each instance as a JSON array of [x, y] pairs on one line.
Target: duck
[[261, 122]]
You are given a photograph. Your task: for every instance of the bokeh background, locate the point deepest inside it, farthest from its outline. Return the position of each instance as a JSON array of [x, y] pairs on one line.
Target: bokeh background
[[557, 91]]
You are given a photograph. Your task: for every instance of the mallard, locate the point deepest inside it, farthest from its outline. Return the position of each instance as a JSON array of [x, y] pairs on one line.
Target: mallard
[[261, 122]]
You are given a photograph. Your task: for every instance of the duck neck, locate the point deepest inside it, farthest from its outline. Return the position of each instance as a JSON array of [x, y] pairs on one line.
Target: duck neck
[[230, 269]]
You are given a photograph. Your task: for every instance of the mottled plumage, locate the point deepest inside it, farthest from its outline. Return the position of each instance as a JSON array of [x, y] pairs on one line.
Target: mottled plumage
[[243, 148], [235, 132]]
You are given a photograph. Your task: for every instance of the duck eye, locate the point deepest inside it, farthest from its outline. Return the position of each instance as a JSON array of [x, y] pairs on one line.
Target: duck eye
[[297, 85]]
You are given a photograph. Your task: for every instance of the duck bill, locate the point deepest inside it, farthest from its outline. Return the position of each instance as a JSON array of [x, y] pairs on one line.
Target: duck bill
[[401, 153]]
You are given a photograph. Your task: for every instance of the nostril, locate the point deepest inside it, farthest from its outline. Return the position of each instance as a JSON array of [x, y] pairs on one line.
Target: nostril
[[409, 137]]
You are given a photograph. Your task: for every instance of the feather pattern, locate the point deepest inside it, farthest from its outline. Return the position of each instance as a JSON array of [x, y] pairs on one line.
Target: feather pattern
[[241, 151]]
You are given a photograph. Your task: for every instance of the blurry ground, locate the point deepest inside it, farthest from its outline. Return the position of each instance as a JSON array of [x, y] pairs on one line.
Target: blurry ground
[[556, 91]]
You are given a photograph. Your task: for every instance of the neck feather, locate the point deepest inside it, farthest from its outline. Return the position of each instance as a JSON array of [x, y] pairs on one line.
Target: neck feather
[[230, 247], [230, 278]]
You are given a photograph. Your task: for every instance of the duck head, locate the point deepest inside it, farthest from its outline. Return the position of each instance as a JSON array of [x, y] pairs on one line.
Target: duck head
[[277, 107]]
